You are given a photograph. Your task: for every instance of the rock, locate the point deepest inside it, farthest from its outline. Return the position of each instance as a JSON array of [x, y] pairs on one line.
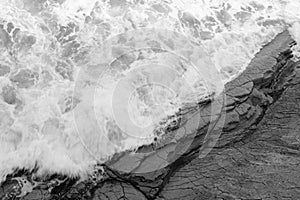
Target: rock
[[264, 165], [257, 158], [232, 120], [243, 109], [252, 165], [11, 190], [240, 91]]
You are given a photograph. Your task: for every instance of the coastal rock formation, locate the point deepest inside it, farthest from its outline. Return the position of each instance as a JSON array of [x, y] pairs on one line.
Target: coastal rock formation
[[251, 153]]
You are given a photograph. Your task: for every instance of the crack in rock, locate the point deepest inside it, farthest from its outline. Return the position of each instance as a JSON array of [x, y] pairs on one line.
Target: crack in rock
[[256, 156]]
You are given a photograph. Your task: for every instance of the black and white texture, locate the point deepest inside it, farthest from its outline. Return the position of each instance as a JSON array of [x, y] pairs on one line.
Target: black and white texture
[[80, 82], [256, 156]]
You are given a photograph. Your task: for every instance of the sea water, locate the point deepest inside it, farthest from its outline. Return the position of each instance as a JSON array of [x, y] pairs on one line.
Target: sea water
[[97, 92]]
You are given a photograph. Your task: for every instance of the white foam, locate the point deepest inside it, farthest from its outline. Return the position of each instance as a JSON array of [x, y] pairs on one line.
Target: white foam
[[295, 32], [39, 133]]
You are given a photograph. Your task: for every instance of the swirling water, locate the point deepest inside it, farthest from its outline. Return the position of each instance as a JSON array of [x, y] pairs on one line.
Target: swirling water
[[45, 44]]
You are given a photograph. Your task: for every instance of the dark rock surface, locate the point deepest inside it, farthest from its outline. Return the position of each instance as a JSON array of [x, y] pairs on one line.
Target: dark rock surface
[[257, 154]]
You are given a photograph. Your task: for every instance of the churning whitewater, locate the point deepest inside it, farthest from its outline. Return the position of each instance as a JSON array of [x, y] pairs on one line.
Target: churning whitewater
[[81, 80]]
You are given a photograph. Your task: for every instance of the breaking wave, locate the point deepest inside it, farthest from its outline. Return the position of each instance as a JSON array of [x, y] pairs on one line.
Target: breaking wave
[[46, 45]]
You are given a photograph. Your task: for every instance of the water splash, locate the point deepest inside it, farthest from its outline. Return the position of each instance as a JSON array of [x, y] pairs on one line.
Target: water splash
[[53, 39]]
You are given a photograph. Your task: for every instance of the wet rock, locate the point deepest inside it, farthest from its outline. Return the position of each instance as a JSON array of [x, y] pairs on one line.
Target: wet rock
[[241, 91], [231, 101], [37, 195], [239, 166], [257, 158], [243, 109], [25, 78], [118, 191], [9, 190], [232, 120]]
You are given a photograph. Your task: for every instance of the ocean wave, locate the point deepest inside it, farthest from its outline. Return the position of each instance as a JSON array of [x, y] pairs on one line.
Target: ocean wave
[[46, 45]]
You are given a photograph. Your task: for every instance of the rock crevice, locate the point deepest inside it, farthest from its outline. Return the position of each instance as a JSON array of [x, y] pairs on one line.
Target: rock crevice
[[256, 155]]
